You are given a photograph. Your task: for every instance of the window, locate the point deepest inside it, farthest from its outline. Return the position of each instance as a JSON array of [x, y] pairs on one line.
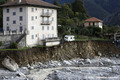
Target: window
[[36, 9], [52, 11], [42, 11], [52, 19], [48, 28], [52, 27], [47, 20], [52, 35], [21, 28], [32, 27], [7, 10], [43, 36], [21, 9], [36, 35], [14, 22], [14, 13], [48, 35], [32, 18], [42, 19], [20, 18], [48, 11], [32, 9], [42, 27], [7, 19], [7, 28], [32, 36]]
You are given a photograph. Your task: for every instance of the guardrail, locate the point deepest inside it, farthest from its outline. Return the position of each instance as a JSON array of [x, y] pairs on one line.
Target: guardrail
[[46, 14], [13, 32], [46, 22]]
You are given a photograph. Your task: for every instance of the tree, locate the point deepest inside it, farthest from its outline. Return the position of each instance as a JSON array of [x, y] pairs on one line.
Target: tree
[[67, 11], [78, 6], [14, 45], [1, 15], [56, 3]]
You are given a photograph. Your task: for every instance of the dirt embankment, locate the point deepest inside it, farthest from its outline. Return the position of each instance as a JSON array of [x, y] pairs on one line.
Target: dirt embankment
[[69, 50]]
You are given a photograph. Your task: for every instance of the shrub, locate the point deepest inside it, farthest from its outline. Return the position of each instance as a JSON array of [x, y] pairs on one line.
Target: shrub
[[14, 45], [0, 43]]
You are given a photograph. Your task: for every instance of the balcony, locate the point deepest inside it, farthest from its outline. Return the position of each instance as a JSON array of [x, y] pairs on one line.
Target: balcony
[[46, 14], [46, 22]]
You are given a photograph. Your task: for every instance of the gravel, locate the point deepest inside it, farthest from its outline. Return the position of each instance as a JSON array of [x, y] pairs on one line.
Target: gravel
[[75, 69]]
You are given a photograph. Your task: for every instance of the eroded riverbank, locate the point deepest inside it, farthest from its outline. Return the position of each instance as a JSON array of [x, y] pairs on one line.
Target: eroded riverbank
[[66, 51]]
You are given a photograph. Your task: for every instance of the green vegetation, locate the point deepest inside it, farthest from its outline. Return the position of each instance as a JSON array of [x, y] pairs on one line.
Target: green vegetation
[[110, 29], [70, 16], [14, 45], [25, 48], [1, 17], [92, 38], [0, 43]]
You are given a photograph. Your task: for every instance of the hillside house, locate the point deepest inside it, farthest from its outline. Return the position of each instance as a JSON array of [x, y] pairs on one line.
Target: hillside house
[[93, 22], [35, 18]]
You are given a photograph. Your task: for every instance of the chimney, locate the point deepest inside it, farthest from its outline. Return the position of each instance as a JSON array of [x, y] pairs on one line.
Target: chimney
[[19, 1]]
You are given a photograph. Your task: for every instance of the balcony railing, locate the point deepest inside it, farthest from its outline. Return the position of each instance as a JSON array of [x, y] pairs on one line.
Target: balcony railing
[[46, 14], [46, 22]]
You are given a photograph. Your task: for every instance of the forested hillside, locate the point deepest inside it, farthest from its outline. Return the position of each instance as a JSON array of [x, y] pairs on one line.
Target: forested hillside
[[70, 17], [97, 8]]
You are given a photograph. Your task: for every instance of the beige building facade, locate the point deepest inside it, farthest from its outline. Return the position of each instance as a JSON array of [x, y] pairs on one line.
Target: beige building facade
[[93, 22]]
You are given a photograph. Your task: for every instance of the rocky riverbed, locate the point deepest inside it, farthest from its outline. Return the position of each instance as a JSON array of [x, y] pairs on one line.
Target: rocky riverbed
[[75, 69]]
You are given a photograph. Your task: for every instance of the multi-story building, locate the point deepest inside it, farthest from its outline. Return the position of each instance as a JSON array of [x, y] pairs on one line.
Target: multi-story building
[[37, 17], [93, 22]]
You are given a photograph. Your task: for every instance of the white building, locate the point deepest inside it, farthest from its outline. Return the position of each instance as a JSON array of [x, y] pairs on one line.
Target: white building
[[37, 17]]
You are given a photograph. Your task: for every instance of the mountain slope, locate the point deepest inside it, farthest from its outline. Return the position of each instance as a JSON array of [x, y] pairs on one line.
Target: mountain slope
[[95, 10], [110, 6], [61, 1], [113, 20]]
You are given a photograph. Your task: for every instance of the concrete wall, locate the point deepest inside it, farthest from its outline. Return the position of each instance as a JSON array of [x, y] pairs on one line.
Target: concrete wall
[[8, 39]]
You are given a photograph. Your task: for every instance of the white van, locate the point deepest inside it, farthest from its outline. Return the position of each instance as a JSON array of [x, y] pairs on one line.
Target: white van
[[69, 38]]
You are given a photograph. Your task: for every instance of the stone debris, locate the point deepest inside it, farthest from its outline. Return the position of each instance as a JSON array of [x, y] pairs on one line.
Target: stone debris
[[87, 61], [66, 63], [75, 69], [10, 64], [20, 74]]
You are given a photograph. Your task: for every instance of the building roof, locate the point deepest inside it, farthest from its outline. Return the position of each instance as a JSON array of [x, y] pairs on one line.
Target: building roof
[[93, 19], [39, 3]]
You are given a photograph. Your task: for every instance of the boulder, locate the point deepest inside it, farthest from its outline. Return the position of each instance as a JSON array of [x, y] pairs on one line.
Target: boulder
[[10, 64], [88, 61], [20, 74]]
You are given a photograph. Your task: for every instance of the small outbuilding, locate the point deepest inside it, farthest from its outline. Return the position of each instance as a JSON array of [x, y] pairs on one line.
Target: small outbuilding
[[93, 22]]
